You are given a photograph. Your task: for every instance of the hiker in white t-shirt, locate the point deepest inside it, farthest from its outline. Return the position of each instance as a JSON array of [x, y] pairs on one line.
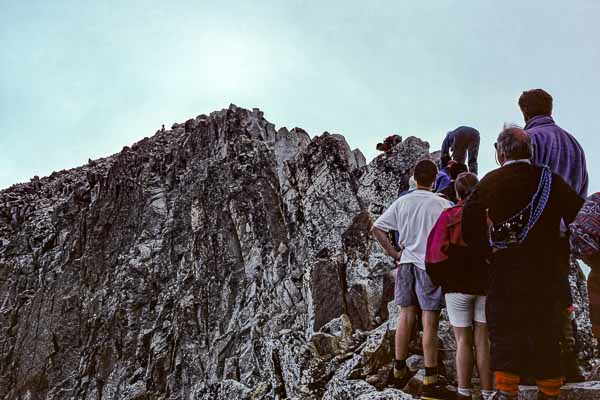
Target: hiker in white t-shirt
[[413, 216]]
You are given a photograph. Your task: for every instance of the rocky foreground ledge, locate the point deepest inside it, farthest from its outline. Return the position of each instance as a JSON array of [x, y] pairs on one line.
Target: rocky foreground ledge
[[220, 259]]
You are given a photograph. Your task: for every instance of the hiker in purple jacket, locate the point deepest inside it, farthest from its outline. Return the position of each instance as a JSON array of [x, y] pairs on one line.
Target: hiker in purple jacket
[[559, 150], [552, 145]]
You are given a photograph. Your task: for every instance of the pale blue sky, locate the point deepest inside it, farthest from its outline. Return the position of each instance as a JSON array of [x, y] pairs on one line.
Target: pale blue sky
[[82, 79]]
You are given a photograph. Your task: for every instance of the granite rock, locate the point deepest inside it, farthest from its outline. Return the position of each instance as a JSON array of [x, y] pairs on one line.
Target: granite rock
[[218, 259]]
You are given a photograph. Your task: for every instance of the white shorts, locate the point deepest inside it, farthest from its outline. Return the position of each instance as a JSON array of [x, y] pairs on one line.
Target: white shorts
[[463, 309]]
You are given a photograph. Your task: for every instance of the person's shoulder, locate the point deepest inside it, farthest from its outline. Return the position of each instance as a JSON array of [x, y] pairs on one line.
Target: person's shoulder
[[570, 137], [551, 131], [446, 215], [396, 203], [559, 129], [500, 179], [443, 172], [543, 132], [452, 209], [405, 197], [455, 207], [454, 213], [420, 196], [490, 177], [439, 200]]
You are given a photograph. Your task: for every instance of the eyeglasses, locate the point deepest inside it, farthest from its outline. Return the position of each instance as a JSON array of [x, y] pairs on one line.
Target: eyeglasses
[[496, 153]]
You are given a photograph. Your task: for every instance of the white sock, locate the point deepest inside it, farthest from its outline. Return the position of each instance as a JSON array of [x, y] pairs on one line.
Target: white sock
[[486, 394], [465, 392]]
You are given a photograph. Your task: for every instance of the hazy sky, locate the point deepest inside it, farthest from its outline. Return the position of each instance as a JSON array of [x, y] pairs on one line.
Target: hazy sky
[[81, 81]]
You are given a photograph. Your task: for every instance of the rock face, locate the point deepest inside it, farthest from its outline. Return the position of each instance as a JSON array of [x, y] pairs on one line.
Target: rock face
[[221, 259]]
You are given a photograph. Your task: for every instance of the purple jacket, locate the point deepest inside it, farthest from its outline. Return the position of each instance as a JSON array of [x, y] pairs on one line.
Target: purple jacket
[[559, 150], [442, 179]]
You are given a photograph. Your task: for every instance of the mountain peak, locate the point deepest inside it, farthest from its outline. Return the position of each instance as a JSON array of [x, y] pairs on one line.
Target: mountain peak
[[221, 257]]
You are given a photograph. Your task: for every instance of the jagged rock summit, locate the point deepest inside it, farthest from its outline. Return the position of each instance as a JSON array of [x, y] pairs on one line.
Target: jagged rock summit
[[220, 259]]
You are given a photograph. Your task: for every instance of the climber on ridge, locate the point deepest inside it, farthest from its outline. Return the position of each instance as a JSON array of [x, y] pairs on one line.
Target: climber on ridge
[[461, 142], [552, 145], [462, 274], [524, 205], [389, 143], [559, 150], [413, 215]]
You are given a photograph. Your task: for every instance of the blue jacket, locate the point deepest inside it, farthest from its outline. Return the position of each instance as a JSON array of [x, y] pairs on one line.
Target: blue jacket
[[559, 150], [442, 179]]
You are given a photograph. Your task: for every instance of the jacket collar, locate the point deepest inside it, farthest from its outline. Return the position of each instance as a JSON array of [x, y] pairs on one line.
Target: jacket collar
[[523, 160], [539, 120]]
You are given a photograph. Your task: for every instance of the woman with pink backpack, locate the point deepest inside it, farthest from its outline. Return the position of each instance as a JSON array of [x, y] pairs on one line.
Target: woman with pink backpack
[[462, 274]]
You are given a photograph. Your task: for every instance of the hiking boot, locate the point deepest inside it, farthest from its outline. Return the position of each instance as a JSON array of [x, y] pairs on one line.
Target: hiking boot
[[463, 397], [399, 378], [437, 391]]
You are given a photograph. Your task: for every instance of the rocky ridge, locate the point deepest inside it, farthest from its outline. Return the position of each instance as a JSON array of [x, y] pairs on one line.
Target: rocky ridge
[[220, 259]]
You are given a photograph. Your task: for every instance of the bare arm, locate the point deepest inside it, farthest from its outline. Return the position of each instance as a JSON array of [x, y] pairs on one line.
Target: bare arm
[[382, 238]]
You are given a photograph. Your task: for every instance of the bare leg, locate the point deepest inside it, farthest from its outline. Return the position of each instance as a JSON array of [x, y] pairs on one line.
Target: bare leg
[[464, 355], [430, 330], [482, 348], [406, 321]]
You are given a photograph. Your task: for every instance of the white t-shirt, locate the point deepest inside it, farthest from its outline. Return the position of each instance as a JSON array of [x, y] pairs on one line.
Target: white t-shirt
[[413, 216]]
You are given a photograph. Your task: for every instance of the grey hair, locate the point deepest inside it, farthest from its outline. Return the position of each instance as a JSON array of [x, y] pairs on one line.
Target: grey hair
[[514, 143]]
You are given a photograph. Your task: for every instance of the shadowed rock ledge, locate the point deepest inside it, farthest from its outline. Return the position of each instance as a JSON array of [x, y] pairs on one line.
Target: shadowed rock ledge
[[221, 259]]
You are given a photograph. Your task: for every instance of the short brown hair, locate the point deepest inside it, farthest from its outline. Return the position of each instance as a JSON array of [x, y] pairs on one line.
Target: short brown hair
[[456, 169], [465, 184], [425, 172], [535, 102]]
